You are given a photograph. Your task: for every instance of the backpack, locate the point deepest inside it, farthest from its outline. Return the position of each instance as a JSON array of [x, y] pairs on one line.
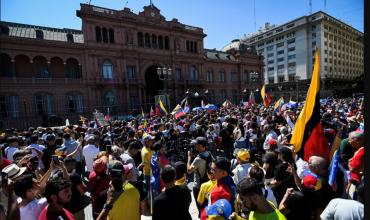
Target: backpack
[[208, 160], [240, 143]]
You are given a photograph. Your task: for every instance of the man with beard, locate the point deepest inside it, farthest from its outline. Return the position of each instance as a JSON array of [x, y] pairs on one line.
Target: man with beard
[[252, 199], [58, 193]]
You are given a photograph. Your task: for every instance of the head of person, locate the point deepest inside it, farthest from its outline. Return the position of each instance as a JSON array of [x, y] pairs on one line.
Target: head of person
[[168, 174], [243, 156], [181, 169], [26, 187], [131, 134], [66, 136], [70, 164], [356, 139], [133, 148], [159, 147], [149, 140], [200, 144], [250, 193], [100, 165], [257, 173], [285, 154], [50, 139], [13, 141], [221, 168], [34, 138], [58, 191], [119, 173], [317, 165]]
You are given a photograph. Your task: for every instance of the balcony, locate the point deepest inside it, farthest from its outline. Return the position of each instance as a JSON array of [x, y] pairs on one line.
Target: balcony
[[39, 81]]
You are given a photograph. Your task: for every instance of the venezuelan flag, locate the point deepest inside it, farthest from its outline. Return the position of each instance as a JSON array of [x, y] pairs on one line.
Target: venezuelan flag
[[278, 104], [265, 97], [161, 105], [308, 132]]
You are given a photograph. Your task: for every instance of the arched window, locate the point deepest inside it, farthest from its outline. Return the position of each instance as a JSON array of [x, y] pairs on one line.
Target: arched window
[[166, 43], [160, 42], [193, 73], [154, 41], [222, 76], [41, 67], [140, 39], [73, 69], [111, 35], [107, 70], [187, 46], [5, 66], [98, 34], [44, 103], [9, 106], [147, 40], [110, 98], [74, 103], [209, 76], [105, 35]]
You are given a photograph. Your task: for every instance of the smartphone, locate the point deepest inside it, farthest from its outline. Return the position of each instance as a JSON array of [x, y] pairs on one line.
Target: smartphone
[[4, 179], [56, 159]]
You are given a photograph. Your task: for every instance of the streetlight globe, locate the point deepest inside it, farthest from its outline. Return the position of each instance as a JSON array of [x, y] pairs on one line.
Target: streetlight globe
[[196, 94]]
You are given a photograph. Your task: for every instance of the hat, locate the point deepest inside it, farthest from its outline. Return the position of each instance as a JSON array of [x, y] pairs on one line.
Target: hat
[[148, 137], [221, 207], [283, 130], [243, 155], [200, 140], [117, 165], [272, 141], [311, 182], [13, 171], [100, 165], [90, 137], [285, 151]]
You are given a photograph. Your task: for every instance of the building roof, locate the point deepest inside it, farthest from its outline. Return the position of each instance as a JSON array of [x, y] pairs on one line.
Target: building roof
[[218, 55], [29, 31]]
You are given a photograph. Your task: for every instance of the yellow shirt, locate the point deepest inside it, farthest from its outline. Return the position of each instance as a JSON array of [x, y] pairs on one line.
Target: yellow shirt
[[146, 156], [181, 181], [275, 215], [205, 190], [127, 206]]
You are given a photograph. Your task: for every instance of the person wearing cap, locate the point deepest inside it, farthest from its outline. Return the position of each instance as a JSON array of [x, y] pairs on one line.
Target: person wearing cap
[[268, 130], [89, 152], [174, 201], [241, 170], [121, 200], [146, 156], [225, 187], [220, 210], [13, 143], [252, 198], [199, 164]]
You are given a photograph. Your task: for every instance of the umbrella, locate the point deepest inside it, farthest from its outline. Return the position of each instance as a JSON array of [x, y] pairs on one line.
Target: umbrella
[[197, 109], [210, 107]]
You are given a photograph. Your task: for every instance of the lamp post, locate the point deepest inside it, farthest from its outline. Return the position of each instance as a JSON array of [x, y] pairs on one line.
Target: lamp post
[[297, 78], [244, 94], [206, 95], [164, 75]]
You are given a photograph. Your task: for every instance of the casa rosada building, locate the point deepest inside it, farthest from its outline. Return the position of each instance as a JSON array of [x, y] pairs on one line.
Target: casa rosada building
[[113, 65]]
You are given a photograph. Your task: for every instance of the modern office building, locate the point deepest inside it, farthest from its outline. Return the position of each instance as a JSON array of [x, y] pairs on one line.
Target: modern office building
[[288, 52], [117, 63]]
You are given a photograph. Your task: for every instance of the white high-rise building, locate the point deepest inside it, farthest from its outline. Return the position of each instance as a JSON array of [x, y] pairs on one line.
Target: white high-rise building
[[288, 49]]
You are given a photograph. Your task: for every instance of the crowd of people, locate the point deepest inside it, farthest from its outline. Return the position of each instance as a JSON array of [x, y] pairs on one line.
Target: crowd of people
[[238, 161]]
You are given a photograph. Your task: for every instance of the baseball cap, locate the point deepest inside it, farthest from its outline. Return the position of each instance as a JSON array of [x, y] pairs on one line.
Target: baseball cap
[[243, 155], [200, 140], [100, 165], [221, 207], [311, 182], [117, 165], [149, 137], [285, 151]]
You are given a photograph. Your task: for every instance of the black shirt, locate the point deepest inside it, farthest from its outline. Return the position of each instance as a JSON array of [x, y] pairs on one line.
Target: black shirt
[[48, 151], [172, 204], [77, 202]]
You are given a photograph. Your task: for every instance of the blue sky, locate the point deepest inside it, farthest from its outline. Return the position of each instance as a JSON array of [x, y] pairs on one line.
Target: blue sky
[[221, 20]]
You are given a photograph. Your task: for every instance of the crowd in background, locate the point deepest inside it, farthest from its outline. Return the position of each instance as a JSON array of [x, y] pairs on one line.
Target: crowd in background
[[239, 160]]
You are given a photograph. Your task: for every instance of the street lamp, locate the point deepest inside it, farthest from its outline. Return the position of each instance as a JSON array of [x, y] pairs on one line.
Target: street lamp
[[164, 75], [297, 78], [244, 94]]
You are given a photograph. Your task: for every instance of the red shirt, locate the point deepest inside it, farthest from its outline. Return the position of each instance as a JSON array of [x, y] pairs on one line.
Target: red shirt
[[98, 184], [5, 163], [218, 192], [48, 215]]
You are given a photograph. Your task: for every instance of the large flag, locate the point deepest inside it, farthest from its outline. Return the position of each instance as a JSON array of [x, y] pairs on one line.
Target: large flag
[[179, 113], [175, 109], [308, 132], [278, 104], [161, 105], [187, 107], [152, 113], [265, 97]]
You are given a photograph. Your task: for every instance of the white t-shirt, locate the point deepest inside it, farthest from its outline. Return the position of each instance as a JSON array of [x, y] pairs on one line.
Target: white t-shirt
[[240, 172], [9, 153], [89, 152], [343, 209], [33, 209]]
